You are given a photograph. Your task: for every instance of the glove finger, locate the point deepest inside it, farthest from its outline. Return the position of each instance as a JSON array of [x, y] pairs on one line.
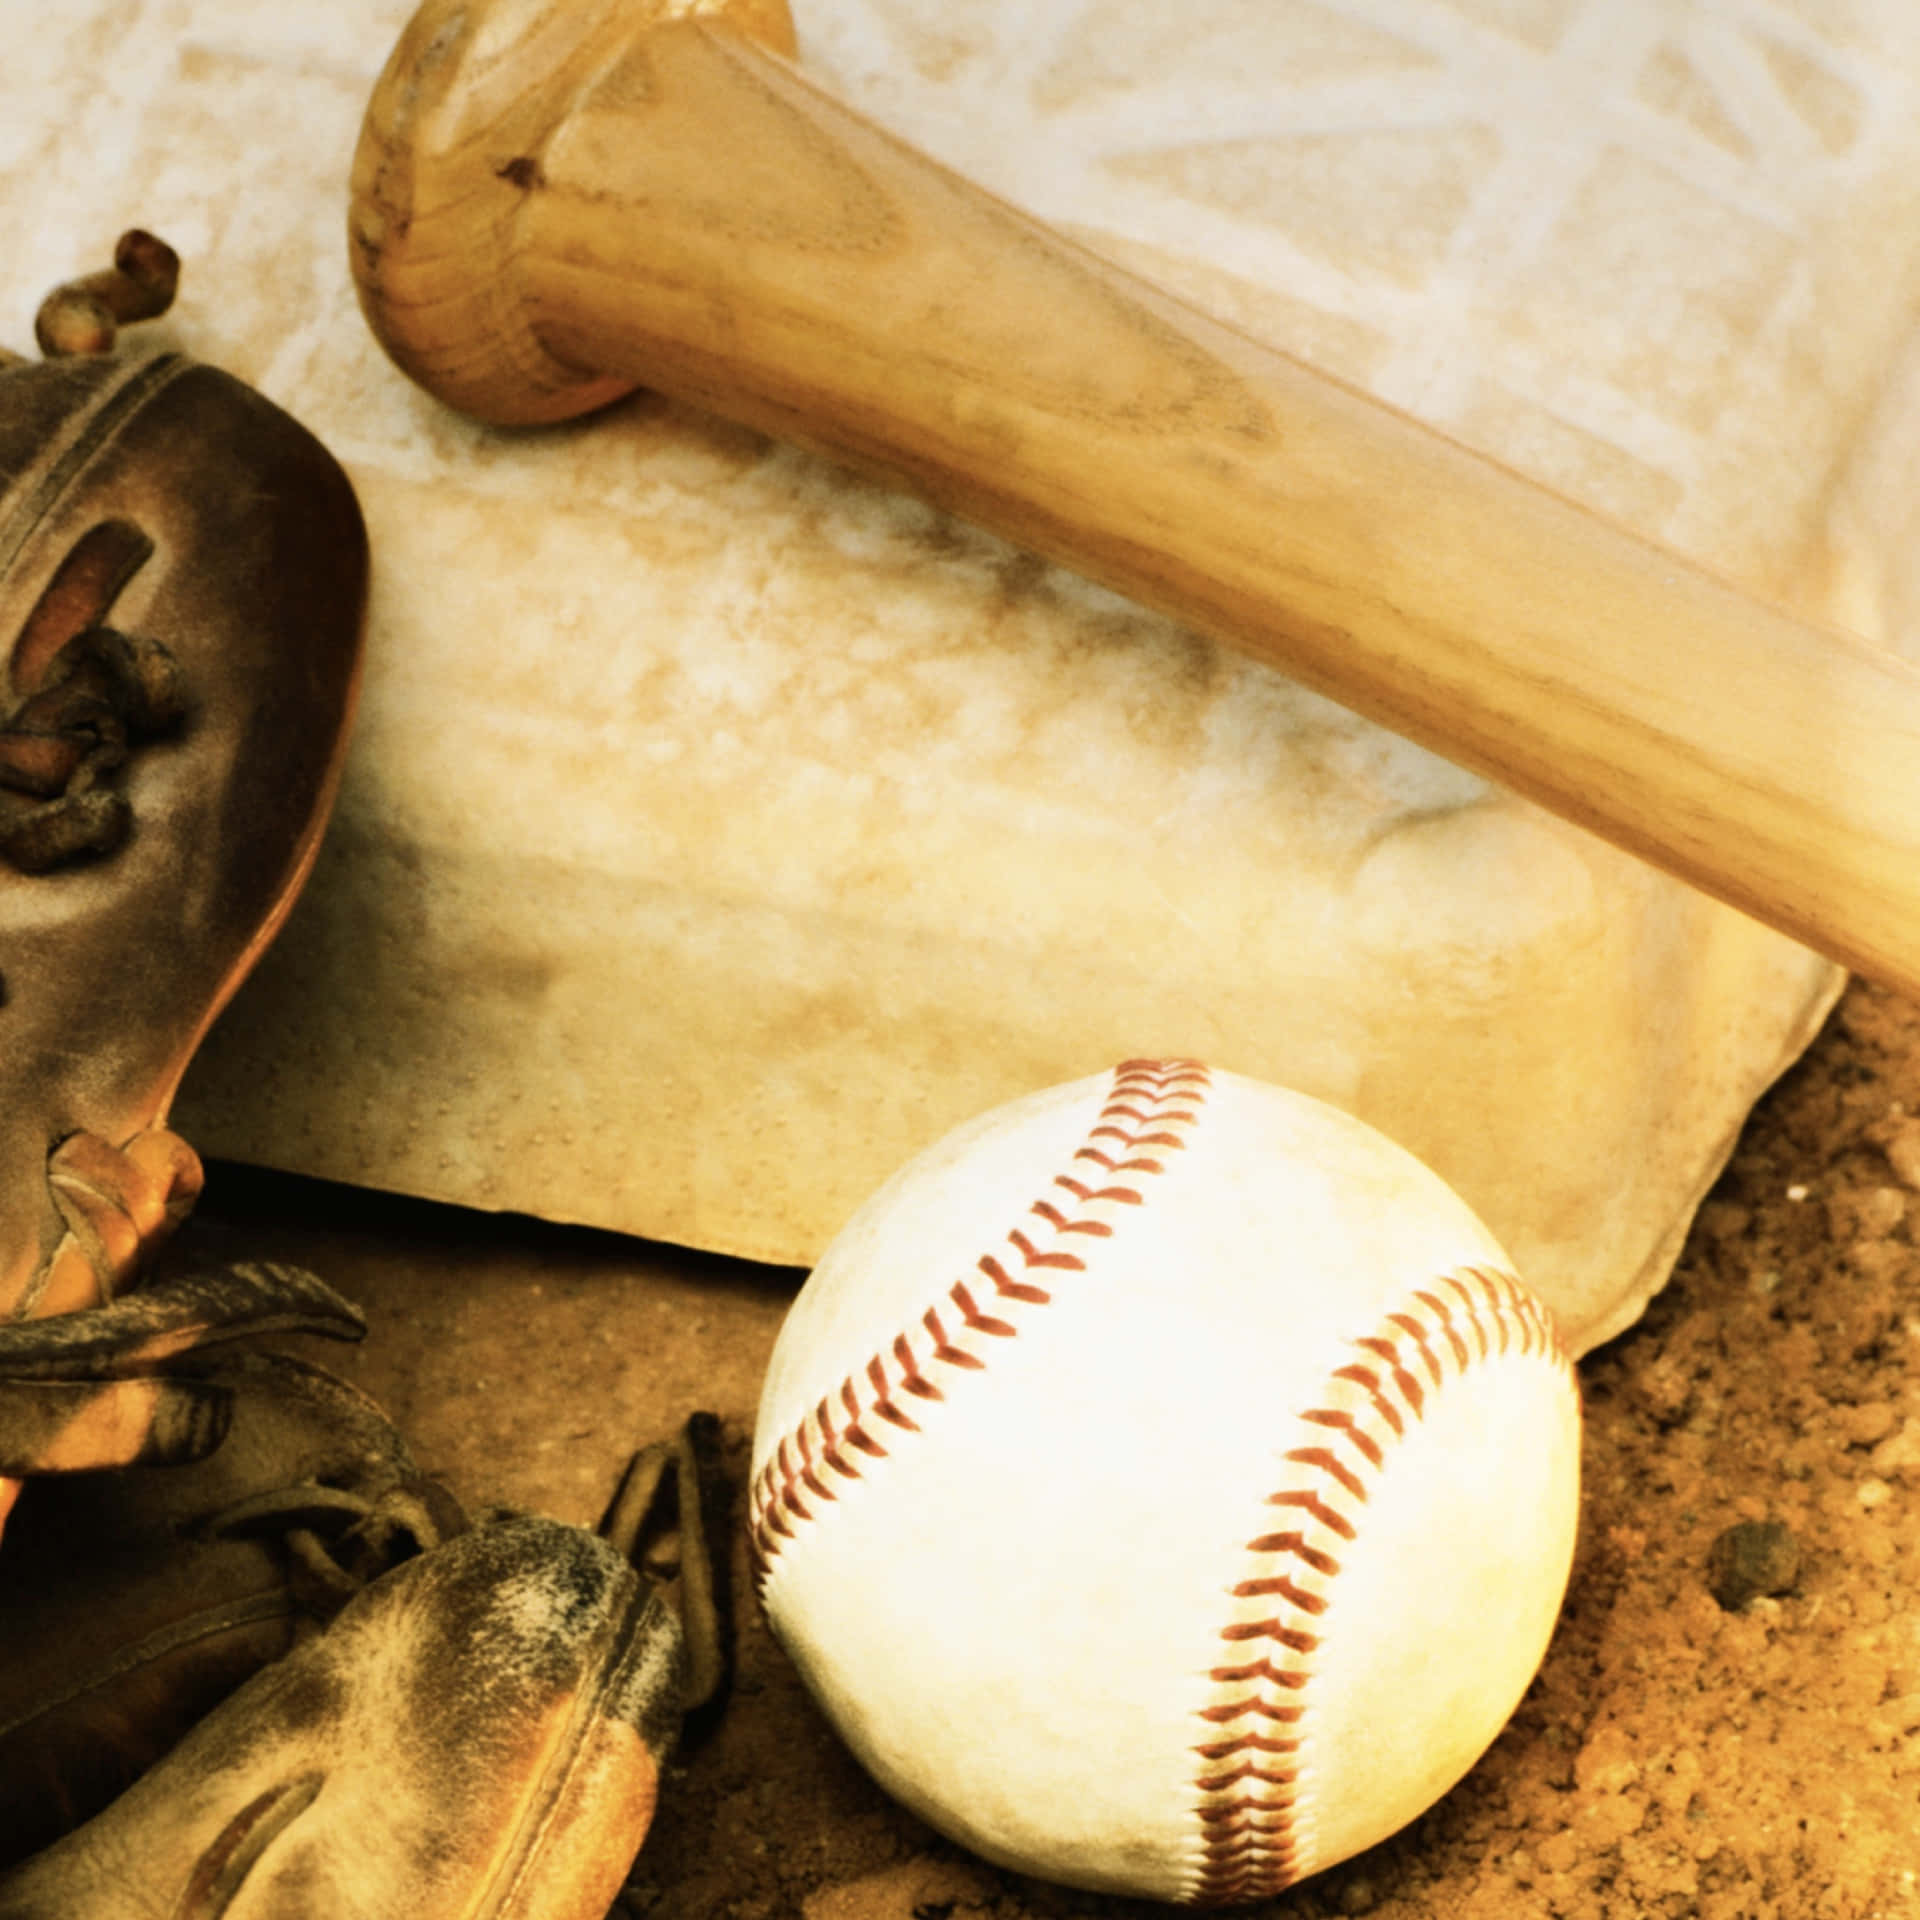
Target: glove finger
[[139, 1331], [67, 1426]]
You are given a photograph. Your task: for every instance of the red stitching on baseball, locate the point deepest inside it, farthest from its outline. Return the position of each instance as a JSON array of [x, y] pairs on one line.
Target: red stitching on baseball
[[883, 1402], [790, 1480], [1249, 1814], [978, 1321], [910, 1375], [808, 1478], [1086, 1195], [1416, 1331], [1112, 1165], [856, 1431], [1410, 1389], [830, 1446], [1444, 1314], [1329, 1462], [1275, 1630], [944, 1349], [1250, 1743], [1010, 1288], [1311, 1504], [1062, 1222], [1117, 1110], [1343, 1424], [1263, 1671], [1464, 1305], [1295, 1544], [1066, 1262], [1366, 1377], [1155, 1096], [1247, 1770], [1282, 1586]]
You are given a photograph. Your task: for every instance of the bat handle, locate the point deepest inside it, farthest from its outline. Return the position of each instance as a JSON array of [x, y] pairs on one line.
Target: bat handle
[[555, 203]]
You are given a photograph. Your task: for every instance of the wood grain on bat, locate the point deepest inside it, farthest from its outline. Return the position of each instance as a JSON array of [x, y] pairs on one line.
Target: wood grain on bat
[[553, 206]]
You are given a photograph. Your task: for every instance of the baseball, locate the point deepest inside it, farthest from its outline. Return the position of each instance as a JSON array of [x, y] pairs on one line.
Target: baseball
[[1164, 1485]]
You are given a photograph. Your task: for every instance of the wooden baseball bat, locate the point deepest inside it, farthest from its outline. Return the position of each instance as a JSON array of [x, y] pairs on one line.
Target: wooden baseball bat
[[557, 200]]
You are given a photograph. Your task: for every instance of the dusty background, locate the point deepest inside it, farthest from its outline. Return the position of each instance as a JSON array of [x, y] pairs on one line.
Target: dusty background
[[1674, 1760]]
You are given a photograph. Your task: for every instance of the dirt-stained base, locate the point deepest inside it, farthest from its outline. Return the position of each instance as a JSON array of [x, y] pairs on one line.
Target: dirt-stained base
[[1673, 1760]]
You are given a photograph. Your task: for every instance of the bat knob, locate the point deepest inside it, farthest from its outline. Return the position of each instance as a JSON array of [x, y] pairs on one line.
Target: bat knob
[[449, 177]]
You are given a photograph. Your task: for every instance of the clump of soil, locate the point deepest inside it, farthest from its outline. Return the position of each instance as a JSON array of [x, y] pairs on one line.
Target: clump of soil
[[1682, 1756]]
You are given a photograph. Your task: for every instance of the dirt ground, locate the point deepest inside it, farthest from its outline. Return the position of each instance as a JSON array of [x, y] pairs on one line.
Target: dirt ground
[[1673, 1760]]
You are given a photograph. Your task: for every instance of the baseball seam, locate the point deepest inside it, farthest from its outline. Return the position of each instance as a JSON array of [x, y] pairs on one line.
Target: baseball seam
[[1149, 1109], [1250, 1809], [1253, 1805]]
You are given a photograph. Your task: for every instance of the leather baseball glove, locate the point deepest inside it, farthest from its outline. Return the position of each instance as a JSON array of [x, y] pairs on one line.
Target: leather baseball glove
[[445, 1718], [182, 585], [133, 1600]]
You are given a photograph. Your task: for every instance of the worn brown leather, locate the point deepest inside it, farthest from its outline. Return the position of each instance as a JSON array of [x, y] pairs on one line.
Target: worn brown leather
[[134, 1601], [169, 504], [478, 1733], [119, 1384], [405, 1711]]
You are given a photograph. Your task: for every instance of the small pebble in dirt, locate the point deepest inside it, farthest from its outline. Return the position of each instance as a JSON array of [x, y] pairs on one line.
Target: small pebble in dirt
[[1752, 1558], [1903, 1153]]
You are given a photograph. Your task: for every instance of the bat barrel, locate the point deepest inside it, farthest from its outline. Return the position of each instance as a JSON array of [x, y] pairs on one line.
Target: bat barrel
[[678, 208]]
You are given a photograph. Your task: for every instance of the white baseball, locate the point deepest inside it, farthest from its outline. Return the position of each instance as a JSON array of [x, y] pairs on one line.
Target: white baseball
[[1164, 1486]]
